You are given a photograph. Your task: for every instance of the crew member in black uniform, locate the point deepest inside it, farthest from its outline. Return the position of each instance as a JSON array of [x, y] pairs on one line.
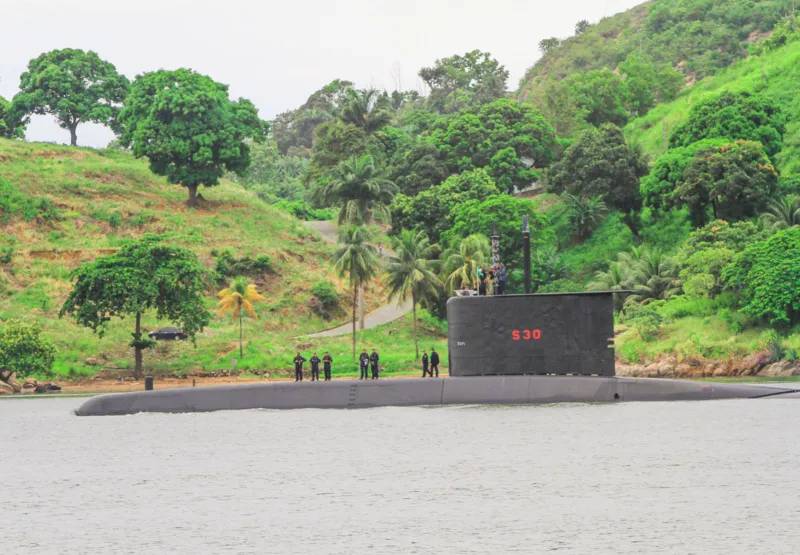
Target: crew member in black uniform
[[315, 368], [298, 367], [373, 359], [434, 362], [425, 363], [326, 366], [363, 363]]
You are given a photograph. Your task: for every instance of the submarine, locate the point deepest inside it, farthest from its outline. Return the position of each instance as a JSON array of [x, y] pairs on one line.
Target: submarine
[[503, 350]]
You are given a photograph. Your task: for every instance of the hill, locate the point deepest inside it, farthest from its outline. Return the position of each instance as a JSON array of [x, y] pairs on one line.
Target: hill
[[698, 37], [774, 74], [61, 206]]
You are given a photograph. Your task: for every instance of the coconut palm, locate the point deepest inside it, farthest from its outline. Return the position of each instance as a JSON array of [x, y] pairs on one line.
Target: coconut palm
[[653, 276], [410, 272], [613, 279], [584, 214], [782, 212], [356, 260], [240, 295], [547, 266], [356, 186], [366, 109], [461, 264]]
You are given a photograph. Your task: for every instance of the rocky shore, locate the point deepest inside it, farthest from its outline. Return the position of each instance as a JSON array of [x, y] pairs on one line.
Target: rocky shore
[[758, 365]]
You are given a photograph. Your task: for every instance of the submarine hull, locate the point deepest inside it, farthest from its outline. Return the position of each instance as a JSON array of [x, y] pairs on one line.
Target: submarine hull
[[477, 390]]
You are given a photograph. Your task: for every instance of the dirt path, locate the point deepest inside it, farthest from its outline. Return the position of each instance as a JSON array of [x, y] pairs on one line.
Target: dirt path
[[384, 315]]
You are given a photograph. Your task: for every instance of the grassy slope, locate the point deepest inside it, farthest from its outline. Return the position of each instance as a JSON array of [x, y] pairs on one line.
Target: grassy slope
[[776, 74], [106, 197]]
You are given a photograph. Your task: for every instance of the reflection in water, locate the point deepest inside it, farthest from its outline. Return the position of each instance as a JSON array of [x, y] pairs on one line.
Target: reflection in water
[[714, 477]]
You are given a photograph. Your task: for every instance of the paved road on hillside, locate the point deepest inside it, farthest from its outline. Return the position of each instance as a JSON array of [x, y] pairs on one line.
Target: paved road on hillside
[[384, 315]]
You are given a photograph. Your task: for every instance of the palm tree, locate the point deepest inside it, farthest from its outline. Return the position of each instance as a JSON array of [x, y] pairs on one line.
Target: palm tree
[[613, 279], [366, 109], [783, 212], [410, 272], [652, 276], [461, 264], [584, 214], [240, 295], [356, 260], [547, 266], [361, 192]]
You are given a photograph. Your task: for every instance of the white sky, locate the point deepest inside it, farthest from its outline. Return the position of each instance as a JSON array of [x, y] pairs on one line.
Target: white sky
[[277, 53]]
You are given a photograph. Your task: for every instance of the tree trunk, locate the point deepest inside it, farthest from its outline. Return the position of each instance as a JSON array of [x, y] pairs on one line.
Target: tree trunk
[[361, 307], [137, 350], [355, 301], [241, 354], [414, 318], [192, 195], [73, 135]]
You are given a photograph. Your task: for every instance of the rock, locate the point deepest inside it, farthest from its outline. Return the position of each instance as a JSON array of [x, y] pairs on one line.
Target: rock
[[6, 389], [755, 362], [780, 370], [666, 367], [15, 385], [650, 371], [92, 361], [48, 388], [684, 370], [719, 373], [628, 370], [304, 346], [30, 383]]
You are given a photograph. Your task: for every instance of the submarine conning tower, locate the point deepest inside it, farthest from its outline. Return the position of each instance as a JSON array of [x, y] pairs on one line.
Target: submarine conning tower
[[560, 334]]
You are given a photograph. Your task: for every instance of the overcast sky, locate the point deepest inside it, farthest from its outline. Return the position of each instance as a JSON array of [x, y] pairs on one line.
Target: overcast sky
[[277, 53]]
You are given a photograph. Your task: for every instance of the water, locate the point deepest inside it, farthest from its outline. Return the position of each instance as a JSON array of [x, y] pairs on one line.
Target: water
[[713, 477]]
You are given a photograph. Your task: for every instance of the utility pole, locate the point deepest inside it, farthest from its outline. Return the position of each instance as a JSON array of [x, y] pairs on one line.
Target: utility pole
[[495, 247], [526, 252]]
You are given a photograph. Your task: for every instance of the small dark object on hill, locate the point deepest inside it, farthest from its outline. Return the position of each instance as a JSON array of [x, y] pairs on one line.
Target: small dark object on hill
[[167, 334], [47, 388]]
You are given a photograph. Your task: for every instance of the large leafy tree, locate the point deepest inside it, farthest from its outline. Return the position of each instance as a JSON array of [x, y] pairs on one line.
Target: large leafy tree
[[508, 139], [601, 163], [501, 213], [188, 128], [747, 116], [12, 126], [73, 86], [419, 169], [237, 298], [432, 210], [145, 275], [767, 275], [359, 190], [458, 81], [356, 260], [411, 272], [24, 351], [600, 96]]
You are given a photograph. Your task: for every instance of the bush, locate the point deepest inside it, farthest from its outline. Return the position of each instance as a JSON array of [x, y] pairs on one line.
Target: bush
[[771, 341], [645, 320], [229, 266], [681, 307], [14, 203], [327, 294], [24, 351], [306, 212], [629, 353]]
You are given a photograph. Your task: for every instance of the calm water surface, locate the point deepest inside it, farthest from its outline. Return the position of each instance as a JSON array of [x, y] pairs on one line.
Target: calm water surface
[[684, 478]]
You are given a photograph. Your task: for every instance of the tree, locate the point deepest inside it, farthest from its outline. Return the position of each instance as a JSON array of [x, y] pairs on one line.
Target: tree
[[419, 169], [476, 77], [584, 215], [73, 86], [188, 128], [652, 276], [783, 212], [240, 295], [24, 351], [600, 95], [639, 84], [144, 275], [432, 210], [733, 116], [581, 27], [366, 109], [613, 279], [510, 140], [356, 186], [504, 214], [356, 260], [600, 163], [767, 276], [549, 45], [547, 266], [12, 126], [461, 264], [410, 272]]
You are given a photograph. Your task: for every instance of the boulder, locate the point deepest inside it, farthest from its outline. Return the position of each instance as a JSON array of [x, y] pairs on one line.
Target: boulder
[[720, 372], [30, 383], [755, 363], [780, 370], [92, 361], [650, 371], [48, 388], [15, 385], [6, 389], [684, 370], [304, 346]]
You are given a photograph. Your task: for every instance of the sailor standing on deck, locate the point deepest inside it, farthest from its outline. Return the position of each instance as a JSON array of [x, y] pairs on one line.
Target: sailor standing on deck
[[363, 364], [298, 367], [373, 359], [315, 368], [434, 362], [326, 363], [425, 363]]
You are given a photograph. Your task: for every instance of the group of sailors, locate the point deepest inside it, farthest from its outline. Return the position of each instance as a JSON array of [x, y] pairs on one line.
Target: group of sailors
[[366, 363]]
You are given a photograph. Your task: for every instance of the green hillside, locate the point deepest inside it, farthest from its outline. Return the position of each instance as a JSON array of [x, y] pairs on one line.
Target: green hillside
[[61, 206], [699, 37], [774, 74]]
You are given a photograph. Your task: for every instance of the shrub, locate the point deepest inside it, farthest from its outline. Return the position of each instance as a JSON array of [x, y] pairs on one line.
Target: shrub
[[645, 320], [303, 211], [229, 266], [327, 295]]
